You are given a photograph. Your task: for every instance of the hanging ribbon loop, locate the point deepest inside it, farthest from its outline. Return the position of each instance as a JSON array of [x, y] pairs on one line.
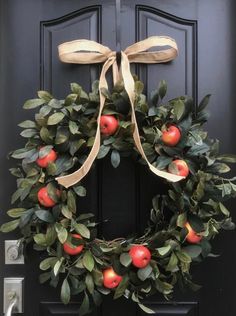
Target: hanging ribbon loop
[[90, 52]]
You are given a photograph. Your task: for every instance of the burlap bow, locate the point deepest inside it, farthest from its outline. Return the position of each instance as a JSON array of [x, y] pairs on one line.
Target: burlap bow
[[90, 52]]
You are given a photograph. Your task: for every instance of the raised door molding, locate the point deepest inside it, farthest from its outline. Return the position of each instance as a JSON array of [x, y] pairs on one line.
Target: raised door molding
[[151, 21], [81, 24]]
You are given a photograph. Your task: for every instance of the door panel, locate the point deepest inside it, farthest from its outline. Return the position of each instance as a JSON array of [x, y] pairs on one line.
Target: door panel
[[151, 21], [84, 23], [121, 198]]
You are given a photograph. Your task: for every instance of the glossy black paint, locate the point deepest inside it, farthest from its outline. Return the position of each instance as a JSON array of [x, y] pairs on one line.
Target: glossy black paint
[[205, 32]]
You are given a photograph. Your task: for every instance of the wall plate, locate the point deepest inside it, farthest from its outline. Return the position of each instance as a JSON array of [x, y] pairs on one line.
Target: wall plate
[[13, 252], [13, 285]]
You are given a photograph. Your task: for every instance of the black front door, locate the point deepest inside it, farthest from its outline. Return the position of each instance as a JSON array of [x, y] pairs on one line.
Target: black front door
[[205, 33]]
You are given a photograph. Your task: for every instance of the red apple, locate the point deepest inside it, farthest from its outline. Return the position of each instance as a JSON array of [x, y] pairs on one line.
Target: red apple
[[73, 251], [192, 237], [108, 125], [44, 161], [181, 166], [171, 136], [140, 256], [110, 278], [44, 198]]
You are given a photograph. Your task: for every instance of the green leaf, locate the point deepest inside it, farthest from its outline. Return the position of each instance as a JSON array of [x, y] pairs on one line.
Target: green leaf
[[71, 201], [204, 103], [103, 151], [218, 168], [41, 116], [148, 149], [40, 239], [44, 277], [27, 124], [16, 172], [23, 153], [172, 168], [47, 263], [123, 124], [16, 212], [62, 135], [44, 151], [45, 216], [55, 118], [183, 256], [154, 99], [144, 273], [164, 250], [226, 188], [206, 247], [66, 212], [46, 96], [198, 194], [162, 88], [193, 251], [120, 290], [75, 88], [146, 309], [162, 162], [181, 219], [90, 141], [80, 190], [45, 135], [227, 224], [97, 298], [27, 133], [51, 235], [125, 259], [228, 158], [57, 266], [179, 109], [56, 104], [198, 149], [172, 264], [9, 226], [88, 261], [139, 87], [82, 230], [98, 277], [73, 127], [85, 216], [105, 92], [196, 223], [115, 158], [25, 218], [152, 111], [53, 192], [163, 287], [224, 210], [84, 307], [89, 283], [76, 145], [62, 233], [33, 103], [65, 292], [70, 99]]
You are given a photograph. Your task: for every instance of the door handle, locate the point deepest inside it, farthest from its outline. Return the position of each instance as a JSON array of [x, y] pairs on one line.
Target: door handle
[[13, 300], [13, 296]]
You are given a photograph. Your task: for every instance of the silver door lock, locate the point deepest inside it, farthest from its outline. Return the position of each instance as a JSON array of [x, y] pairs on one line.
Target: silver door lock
[[13, 296], [13, 252]]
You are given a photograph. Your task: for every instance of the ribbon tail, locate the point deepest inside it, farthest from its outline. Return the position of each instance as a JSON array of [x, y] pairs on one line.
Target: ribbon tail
[[73, 178], [129, 87]]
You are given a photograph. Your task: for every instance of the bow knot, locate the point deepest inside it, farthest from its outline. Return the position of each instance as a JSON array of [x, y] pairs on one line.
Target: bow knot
[[90, 52]]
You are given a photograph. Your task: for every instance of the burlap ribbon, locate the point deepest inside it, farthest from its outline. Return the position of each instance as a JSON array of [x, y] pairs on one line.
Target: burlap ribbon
[[90, 52]]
